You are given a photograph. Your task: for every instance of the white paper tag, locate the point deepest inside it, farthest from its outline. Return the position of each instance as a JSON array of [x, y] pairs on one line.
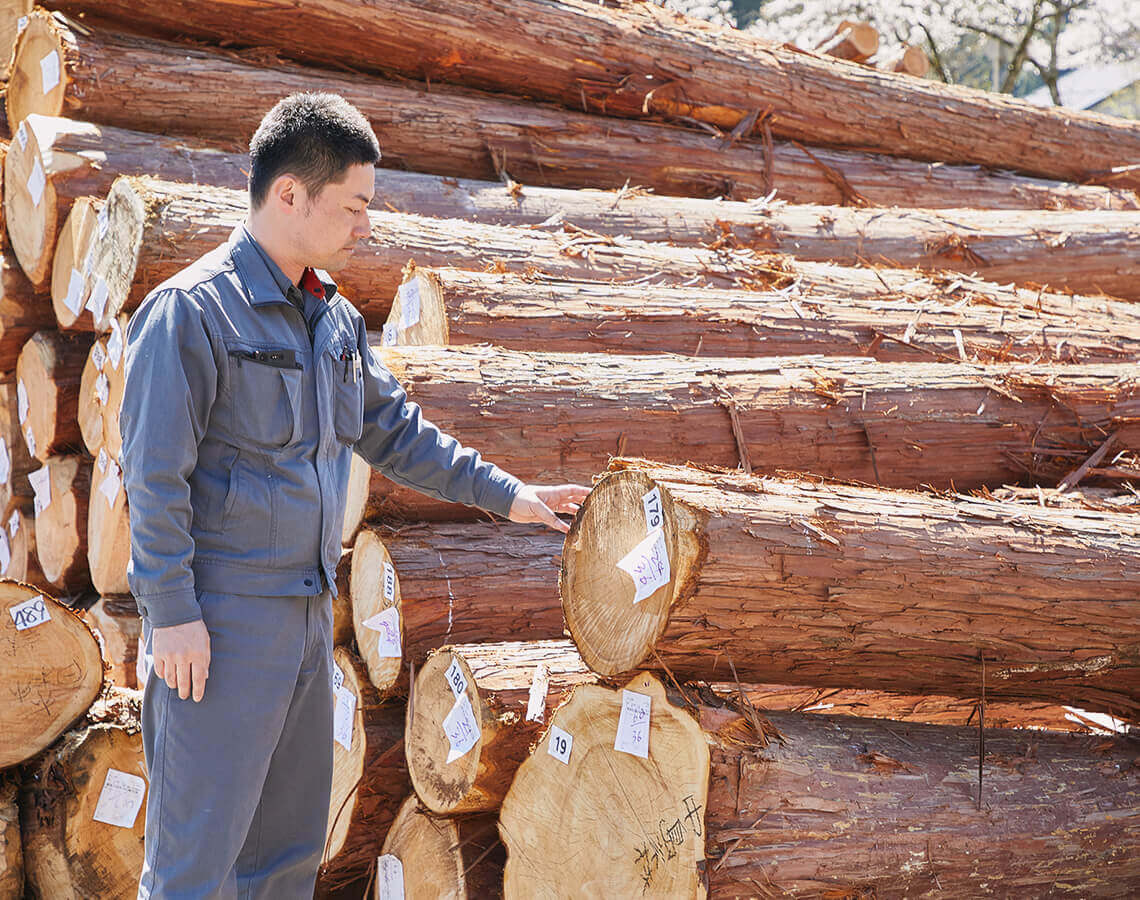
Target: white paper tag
[[652, 504], [22, 135], [5, 553], [30, 613], [389, 878], [102, 389], [97, 302], [115, 344], [37, 181], [409, 303], [21, 24], [74, 299], [560, 745], [98, 356], [5, 462], [121, 799], [389, 582], [536, 700], [103, 220], [14, 523], [30, 440], [102, 459], [633, 725], [344, 716], [388, 335], [49, 71], [40, 481], [461, 728], [110, 486], [647, 564], [456, 680], [337, 676], [21, 401], [386, 624]]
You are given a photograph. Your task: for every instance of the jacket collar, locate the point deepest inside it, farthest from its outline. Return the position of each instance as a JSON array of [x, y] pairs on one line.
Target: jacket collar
[[261, 277]]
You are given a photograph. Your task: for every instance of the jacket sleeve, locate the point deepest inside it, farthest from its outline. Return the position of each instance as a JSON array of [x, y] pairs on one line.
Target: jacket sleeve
[[401, 443], [171, 382]]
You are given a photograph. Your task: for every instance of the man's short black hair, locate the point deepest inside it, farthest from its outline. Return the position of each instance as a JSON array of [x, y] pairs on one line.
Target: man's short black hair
[[315, 137]]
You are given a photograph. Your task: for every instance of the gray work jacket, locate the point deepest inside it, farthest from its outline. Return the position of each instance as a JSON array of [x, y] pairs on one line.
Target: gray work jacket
[[231, 489]]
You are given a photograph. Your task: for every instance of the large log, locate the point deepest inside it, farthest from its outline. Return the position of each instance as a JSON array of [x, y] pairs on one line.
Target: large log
[[558, 417], [157, 228], [11, 852], [13, 18], [791, 580], [816, 806], [18, 534], [108, 527], [71, 278], [513, 311], [374, 589], [71, 849], [443, 858], [53, 161], [49, 372], [133, 82], [117, 622], [51, 671], [487, 690], [61, 522], [472, 582], [15, 461], [369, 778], [94, 391], [641, 61], [23, 312]]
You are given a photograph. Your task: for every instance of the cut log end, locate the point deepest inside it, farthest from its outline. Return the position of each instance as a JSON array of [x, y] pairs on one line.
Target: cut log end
[[52, 672], [375, 587], [444, 787], [116, 254], [61, 532], [70, 277], [356, 499], [855, 41], [348, 764], [645, 835], [108, 528], [36, 82], [11, 850], [615, 633], [30, 205], [418, 316], [93, 392]]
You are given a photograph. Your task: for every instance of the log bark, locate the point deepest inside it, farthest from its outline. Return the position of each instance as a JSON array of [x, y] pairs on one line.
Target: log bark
[[473, 582], [15, 461], [841, 586], [108, 527], [23, 312], [58, 160], [372, 592], [116, 620], [19, 534], [158, 228], [643, 62], [558, 417], [67, 852], [61, 526], [51, 672], [450, 858], [369, 780], [71, 279], [854, 41], [512, 311], [50, 369], [11, 852], [601, 813], [11, 12], [128, 81], [496, 681], [819, 806]]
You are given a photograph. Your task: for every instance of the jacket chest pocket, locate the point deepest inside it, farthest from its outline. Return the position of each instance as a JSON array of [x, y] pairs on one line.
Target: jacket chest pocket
[[347, 392], [265, 395]]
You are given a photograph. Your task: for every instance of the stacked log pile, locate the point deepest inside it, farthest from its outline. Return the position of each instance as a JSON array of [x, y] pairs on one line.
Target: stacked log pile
[[856, 393]]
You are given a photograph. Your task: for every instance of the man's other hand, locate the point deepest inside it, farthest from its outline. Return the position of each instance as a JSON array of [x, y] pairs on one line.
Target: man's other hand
[[182, 657], [538, 503]]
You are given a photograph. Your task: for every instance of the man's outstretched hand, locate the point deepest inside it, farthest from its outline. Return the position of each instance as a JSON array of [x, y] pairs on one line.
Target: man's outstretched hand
[[538, 503], [182, 657]]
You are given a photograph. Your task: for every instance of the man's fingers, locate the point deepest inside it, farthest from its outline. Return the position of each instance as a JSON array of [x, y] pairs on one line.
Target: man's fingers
[[184, 680], [201, 671], [160, 667], [546, 515]]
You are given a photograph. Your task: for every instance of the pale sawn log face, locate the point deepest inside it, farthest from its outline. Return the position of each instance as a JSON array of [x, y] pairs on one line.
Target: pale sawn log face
[[631, 826], [52, 672], [61, 528], [825, 584], [369, 598]]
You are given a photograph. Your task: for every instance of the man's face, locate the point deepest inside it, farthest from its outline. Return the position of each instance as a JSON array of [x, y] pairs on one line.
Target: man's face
[[332, 222]]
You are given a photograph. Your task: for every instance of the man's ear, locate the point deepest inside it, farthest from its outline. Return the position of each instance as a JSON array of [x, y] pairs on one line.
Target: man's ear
[[285, 192]]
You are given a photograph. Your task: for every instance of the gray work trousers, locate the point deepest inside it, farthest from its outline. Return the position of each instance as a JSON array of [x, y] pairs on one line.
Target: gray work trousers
[[238, 799]]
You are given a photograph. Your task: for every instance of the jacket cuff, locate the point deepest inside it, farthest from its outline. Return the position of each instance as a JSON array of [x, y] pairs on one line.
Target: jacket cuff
[[499, 493], [171, 608]]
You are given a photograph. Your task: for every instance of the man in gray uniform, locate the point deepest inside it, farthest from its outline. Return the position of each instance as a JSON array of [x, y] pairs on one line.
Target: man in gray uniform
[[249, 384]]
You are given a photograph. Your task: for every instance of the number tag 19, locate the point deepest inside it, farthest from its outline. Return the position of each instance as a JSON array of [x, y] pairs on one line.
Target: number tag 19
[[561, 743]]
